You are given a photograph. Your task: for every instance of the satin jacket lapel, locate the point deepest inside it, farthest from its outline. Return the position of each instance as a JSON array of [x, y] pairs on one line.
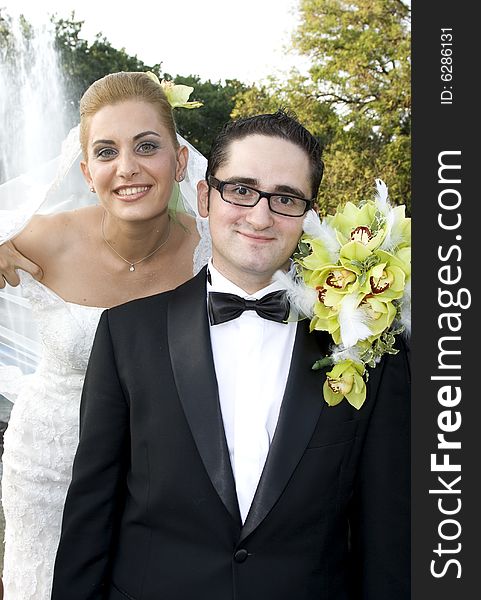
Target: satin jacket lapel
[[194, 374], [301, 407]]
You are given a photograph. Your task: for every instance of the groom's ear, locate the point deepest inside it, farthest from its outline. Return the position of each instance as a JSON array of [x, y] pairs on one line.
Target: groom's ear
[[203, 198]]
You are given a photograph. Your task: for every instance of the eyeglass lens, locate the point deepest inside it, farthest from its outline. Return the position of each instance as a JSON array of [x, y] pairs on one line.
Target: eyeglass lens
[[245, 196]]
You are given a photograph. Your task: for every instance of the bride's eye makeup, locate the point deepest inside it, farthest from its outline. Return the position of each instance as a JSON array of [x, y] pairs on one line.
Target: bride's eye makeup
[[147, 147], [105, 153]]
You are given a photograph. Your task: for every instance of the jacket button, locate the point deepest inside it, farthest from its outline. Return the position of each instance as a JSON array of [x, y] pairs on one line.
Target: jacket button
[[241, 555]]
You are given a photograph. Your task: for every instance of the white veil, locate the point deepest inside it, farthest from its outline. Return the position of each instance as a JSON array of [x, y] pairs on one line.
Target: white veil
[[58, 185]]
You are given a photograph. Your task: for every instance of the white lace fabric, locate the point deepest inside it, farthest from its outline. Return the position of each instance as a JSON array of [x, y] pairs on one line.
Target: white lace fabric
[[41, 439]]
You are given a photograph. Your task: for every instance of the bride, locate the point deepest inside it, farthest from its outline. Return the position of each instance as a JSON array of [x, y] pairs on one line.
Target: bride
[[128, 246]]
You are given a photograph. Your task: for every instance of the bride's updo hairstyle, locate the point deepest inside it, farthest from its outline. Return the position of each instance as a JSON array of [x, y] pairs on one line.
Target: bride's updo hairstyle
[[118, 87]]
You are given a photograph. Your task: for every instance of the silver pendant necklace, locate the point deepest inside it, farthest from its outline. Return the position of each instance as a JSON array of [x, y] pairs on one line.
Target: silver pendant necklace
[[129, 262]]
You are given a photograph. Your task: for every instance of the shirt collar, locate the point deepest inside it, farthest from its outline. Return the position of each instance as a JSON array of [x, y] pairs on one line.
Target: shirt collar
[[220, 283]]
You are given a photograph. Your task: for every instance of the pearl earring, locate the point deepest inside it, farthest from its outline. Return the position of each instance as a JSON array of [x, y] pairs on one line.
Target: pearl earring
[[92, 189]]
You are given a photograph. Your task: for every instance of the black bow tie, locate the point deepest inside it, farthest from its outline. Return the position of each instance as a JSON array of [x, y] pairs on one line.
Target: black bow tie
[[225, 307]]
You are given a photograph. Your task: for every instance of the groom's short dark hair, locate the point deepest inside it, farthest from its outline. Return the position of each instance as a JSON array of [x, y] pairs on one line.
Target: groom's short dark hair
[[279, 124]]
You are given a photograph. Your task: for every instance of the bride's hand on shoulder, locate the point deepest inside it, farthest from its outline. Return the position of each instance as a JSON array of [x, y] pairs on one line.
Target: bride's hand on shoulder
[[11, 259], [35, 247]]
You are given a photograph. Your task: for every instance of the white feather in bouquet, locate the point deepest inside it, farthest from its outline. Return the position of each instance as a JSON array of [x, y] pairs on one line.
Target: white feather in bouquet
[[353, 321], [301, 297]]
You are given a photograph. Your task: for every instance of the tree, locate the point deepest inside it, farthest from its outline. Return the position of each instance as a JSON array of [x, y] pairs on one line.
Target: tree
[[201, 125], [360, 74], [360, 55], [5, 34], [83, 63], [8, 44]]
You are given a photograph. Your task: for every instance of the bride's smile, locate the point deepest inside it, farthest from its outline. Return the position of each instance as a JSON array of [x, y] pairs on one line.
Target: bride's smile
[[132, 161]]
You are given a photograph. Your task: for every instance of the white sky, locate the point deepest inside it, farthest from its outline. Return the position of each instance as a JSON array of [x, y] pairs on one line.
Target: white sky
[[211, 38]]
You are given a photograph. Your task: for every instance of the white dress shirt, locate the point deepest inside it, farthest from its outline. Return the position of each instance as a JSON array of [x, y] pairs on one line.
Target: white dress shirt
[[252, 357]]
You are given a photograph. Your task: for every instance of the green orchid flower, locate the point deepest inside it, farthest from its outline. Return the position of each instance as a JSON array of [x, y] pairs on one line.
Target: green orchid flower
[[345, 380], [319, 254], [356, 257], [361, 224], [401, 258], [381, 315], [326, 318], [387, 281], [328, 304], [332, 277], [387, 278], [177, 94]]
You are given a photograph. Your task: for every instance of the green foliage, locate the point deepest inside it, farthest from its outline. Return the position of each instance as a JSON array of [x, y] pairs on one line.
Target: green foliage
[[357, 97], [201, 125], [294, 96], [7, 41], [83, 63], [5, 37]]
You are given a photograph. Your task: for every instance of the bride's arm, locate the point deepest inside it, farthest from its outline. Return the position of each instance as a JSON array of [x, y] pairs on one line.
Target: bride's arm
[[11, 259], [32, 249]]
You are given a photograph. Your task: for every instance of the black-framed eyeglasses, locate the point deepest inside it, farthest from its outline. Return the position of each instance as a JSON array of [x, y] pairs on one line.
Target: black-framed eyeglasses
[[244, 195]]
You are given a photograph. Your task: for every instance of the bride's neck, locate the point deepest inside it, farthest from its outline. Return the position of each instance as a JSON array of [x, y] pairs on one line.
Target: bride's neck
[[135, 239]]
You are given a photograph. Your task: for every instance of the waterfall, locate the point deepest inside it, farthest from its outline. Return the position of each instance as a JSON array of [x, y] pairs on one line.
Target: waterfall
[[32, 104]]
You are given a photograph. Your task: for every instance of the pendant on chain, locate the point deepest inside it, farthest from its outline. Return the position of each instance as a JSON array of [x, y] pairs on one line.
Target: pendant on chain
[[132, 265]]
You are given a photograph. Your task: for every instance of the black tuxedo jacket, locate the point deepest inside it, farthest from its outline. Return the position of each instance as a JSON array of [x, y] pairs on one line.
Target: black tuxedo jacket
[[152, 514]]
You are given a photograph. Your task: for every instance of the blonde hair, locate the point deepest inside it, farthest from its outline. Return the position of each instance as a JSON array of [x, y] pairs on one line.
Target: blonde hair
[[118, 87]]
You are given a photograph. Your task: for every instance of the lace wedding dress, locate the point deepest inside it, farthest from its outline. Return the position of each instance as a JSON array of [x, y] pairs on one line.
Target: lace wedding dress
[[41, 439], [42, 434]]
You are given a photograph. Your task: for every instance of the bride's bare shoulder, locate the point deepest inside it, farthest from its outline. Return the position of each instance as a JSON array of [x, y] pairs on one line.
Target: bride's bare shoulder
[[46, 235]]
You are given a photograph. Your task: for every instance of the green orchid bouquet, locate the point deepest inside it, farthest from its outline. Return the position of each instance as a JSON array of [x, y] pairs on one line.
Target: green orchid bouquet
[[353, 281]]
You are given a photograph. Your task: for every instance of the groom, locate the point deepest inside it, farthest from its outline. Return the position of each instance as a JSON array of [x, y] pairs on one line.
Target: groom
[[209, 465]]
